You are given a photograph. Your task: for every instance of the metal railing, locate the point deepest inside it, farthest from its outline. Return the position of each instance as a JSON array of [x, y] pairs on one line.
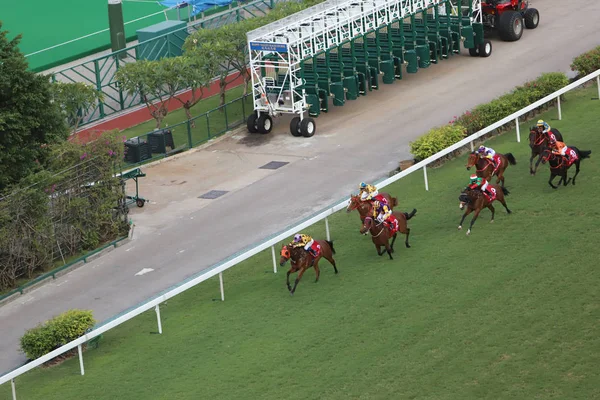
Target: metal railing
[[220, 267]]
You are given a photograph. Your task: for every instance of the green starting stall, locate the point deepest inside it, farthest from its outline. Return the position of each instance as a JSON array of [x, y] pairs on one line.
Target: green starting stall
[[337, 51]]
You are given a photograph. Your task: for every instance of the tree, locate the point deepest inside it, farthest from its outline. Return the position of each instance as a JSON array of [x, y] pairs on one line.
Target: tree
[[237, 54], [149, 79], [29, 119], [75, 99], [195, 73]]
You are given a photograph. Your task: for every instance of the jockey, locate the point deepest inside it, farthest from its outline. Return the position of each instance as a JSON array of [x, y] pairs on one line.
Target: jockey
[[383, 213], [367, 192], [559, 148], [300, 239], [545, 128], [482, 183], [487, 152]]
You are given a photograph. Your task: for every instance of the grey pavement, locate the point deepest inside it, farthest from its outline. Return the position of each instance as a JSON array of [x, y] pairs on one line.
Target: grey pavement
[[177, 234]]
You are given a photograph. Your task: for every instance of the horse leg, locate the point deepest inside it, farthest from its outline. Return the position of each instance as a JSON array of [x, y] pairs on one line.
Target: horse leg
[[288, 278], [493, 210], [406, 240], [298, 279], [552, 176], [467, 212], [565, 180], [388, 248], [378, 248], [531, 163], [473, 221], [317, 270], [537, 163], [393, 240], [576, 171]]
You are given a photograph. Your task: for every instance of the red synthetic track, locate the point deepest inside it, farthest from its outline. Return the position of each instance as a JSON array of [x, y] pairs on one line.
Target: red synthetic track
[[142, 115]]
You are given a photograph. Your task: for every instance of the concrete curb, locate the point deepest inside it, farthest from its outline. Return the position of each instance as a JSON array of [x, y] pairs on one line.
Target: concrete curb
[[65, 271]]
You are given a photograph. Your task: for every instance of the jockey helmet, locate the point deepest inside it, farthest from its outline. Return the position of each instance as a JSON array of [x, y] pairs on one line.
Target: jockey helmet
[[473, 177], [362, 185], [481, 149], [540, 122], [297, 238]]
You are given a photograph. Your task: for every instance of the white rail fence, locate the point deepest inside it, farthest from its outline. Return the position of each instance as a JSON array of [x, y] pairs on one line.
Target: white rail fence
[[219, 268]]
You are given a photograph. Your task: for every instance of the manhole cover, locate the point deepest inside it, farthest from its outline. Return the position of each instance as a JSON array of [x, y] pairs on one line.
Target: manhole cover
[[274, 165], [213, 194]]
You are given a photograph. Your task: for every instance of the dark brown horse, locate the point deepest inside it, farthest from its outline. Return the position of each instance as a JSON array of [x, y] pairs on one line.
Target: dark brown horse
[[356, 203], [301, 260], [476, 201], [559, 164], [485, 167], [380, 232], [538, 142]]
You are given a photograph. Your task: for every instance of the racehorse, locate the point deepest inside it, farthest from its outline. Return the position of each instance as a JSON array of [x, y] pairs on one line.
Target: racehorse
[[356, 203], [485, 167], [559, 165], [538, 141], [380, 232], [476, 201], [301, 260]]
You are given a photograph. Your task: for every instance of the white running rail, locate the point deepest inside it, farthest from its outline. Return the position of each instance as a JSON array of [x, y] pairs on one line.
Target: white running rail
[[222, 266]]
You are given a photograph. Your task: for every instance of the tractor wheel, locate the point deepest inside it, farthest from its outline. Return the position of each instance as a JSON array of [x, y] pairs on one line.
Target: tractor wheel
[[295, 127], [308, 127], [251, 123], [532, 18], [474, 52], [510, 26], [264, 123], [485, 49]]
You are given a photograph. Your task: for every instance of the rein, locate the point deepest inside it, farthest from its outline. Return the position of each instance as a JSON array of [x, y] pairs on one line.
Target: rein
[[382, 228]]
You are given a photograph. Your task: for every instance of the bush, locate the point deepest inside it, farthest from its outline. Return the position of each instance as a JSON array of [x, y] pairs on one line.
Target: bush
[[436, 140], [56, 332], [587, 62]]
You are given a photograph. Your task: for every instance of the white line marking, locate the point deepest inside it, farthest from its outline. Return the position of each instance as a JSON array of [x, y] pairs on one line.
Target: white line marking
[[144, 271]]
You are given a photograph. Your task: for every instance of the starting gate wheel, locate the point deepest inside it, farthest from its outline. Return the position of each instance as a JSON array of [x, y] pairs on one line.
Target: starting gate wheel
[[264, 123], [485, 48], [295, 127], [474, 51], [251, 123], [308, 127]]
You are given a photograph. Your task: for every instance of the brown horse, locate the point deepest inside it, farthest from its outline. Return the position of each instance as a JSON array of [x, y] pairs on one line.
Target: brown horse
[[476, 201], [538, 142], [559, 165], [301, 260], [485, 167], [356, 203], [380, 232]]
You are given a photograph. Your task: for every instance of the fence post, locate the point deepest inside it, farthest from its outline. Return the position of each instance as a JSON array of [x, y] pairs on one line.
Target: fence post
[[327, 228], [14, 389], [598, 84], [518, 130], [425, 176], [189, 134], [157, 309], [80, 359], [472, 148], [221, 284], [274, 259], [559, 109]]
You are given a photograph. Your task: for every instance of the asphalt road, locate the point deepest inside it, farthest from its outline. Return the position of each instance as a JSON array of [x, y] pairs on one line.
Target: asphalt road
[[363, 140]]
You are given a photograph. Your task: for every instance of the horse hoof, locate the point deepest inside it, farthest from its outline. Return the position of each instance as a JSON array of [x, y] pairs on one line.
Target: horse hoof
[[459, 227], [492, 221], [468, 232]]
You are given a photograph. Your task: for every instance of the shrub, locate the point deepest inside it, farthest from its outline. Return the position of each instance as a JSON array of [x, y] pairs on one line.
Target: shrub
[[56, 332], [436, 140], [587, 62]]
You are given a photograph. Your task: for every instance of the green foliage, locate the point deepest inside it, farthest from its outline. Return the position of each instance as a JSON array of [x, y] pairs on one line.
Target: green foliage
[[56, 332], [587, 63], [75, 99], [437, 139], [73, 206], [29, 119]]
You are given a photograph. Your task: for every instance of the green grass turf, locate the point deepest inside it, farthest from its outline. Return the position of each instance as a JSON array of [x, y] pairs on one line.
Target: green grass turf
[[68, 20], [510, 312]]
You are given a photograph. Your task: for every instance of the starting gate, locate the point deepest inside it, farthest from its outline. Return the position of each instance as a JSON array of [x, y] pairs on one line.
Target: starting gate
[[340, 50]]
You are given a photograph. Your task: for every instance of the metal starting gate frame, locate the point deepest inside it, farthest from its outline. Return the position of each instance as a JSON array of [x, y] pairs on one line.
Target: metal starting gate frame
[[277, 50]]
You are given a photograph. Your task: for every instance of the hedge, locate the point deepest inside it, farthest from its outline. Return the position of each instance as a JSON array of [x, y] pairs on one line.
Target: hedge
[[487, 114], [56, 332], [587, 62]]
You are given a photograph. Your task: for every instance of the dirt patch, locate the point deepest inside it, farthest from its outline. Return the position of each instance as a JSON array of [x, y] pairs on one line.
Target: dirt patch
[[256, 139]]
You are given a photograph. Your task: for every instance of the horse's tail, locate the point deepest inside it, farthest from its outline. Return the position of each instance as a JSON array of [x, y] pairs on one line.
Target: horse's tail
[[585, 153], [511, 158], [412, 214], [505, 190], [330, 243]]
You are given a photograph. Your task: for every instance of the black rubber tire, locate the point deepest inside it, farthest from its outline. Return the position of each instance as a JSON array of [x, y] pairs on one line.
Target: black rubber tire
[[532, 18], [140, 203], [308, 127], [485, 49], [510, 26], [474, 52], [251, 123], [295, 127], [264, 123]]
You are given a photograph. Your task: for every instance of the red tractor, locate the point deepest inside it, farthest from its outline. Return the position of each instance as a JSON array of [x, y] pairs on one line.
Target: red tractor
[[508, 17]]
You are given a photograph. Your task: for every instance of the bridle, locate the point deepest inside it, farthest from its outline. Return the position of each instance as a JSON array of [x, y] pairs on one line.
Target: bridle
[[376, 225]]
